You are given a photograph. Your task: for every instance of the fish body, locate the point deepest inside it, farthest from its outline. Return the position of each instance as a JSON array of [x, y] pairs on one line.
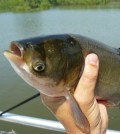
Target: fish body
[[108, 83], [53, 65]]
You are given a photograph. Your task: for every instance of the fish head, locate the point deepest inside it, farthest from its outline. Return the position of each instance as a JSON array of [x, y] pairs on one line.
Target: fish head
[[43, 61]]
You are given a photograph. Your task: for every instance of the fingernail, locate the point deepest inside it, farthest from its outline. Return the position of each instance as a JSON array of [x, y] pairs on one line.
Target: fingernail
[[92, 59]]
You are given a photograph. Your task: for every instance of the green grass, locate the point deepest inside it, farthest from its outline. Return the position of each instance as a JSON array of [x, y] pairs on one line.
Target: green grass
[[36, 5]]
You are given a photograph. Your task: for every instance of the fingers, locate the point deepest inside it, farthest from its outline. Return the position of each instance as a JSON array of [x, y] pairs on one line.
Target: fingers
[[85, 90]]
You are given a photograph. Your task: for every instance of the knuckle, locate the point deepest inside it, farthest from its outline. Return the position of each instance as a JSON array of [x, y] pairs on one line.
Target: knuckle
[[89, 77]]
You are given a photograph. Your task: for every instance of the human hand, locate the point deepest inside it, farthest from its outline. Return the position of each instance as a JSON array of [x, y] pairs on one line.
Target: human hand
[[95, 112], [84, 94]]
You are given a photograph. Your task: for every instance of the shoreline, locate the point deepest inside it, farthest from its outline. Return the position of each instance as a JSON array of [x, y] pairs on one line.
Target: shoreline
[[64, 7], [15, 9]]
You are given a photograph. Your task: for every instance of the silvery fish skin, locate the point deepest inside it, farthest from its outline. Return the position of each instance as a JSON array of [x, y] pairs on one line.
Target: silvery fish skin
[[53, 65]]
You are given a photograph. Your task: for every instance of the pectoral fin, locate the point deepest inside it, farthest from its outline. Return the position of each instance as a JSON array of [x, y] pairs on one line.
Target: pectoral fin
[[80, 119]]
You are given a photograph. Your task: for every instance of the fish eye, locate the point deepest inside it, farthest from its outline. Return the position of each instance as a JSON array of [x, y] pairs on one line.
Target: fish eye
[[39, 67]]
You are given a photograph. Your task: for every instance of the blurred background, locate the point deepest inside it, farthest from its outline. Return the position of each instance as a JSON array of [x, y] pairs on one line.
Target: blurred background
[[98, 19]]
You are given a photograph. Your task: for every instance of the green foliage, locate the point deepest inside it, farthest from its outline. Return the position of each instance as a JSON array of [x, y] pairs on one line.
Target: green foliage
[[45, 4], [10, 5], [32, 5], [80, 2], [53, 2]]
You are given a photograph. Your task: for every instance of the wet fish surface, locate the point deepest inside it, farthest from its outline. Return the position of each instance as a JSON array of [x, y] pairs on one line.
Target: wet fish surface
[[53, 65]]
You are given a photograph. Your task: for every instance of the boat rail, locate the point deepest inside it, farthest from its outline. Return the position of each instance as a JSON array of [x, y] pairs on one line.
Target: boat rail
[[38, 122]]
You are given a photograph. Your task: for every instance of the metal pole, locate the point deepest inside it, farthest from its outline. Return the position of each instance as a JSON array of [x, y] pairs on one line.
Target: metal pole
[[39, 123], [33, 122]]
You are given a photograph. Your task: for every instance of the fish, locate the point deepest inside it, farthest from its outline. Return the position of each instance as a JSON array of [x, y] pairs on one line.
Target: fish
[[53, 64]]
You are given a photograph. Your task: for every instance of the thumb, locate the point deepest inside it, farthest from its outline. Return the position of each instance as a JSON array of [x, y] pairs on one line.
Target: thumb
[[84, 93]]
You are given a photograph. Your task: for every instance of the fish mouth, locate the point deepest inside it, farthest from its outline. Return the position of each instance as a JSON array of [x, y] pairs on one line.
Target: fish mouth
[[15, 49]]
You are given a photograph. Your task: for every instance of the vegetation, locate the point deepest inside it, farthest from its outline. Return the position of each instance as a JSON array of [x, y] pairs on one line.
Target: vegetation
[[23, 5], [32, 5]]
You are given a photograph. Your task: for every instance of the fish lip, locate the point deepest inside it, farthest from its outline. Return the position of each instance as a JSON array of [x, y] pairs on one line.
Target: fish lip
[[16, 49]]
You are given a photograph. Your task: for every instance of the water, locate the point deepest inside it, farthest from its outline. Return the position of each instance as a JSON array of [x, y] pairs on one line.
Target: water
[[101, 24]]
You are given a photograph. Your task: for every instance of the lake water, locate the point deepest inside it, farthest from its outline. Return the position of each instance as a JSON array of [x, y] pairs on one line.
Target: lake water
[[100, 24]]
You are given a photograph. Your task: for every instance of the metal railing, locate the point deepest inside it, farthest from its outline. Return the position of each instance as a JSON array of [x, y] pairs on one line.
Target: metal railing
[[39, 123]]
